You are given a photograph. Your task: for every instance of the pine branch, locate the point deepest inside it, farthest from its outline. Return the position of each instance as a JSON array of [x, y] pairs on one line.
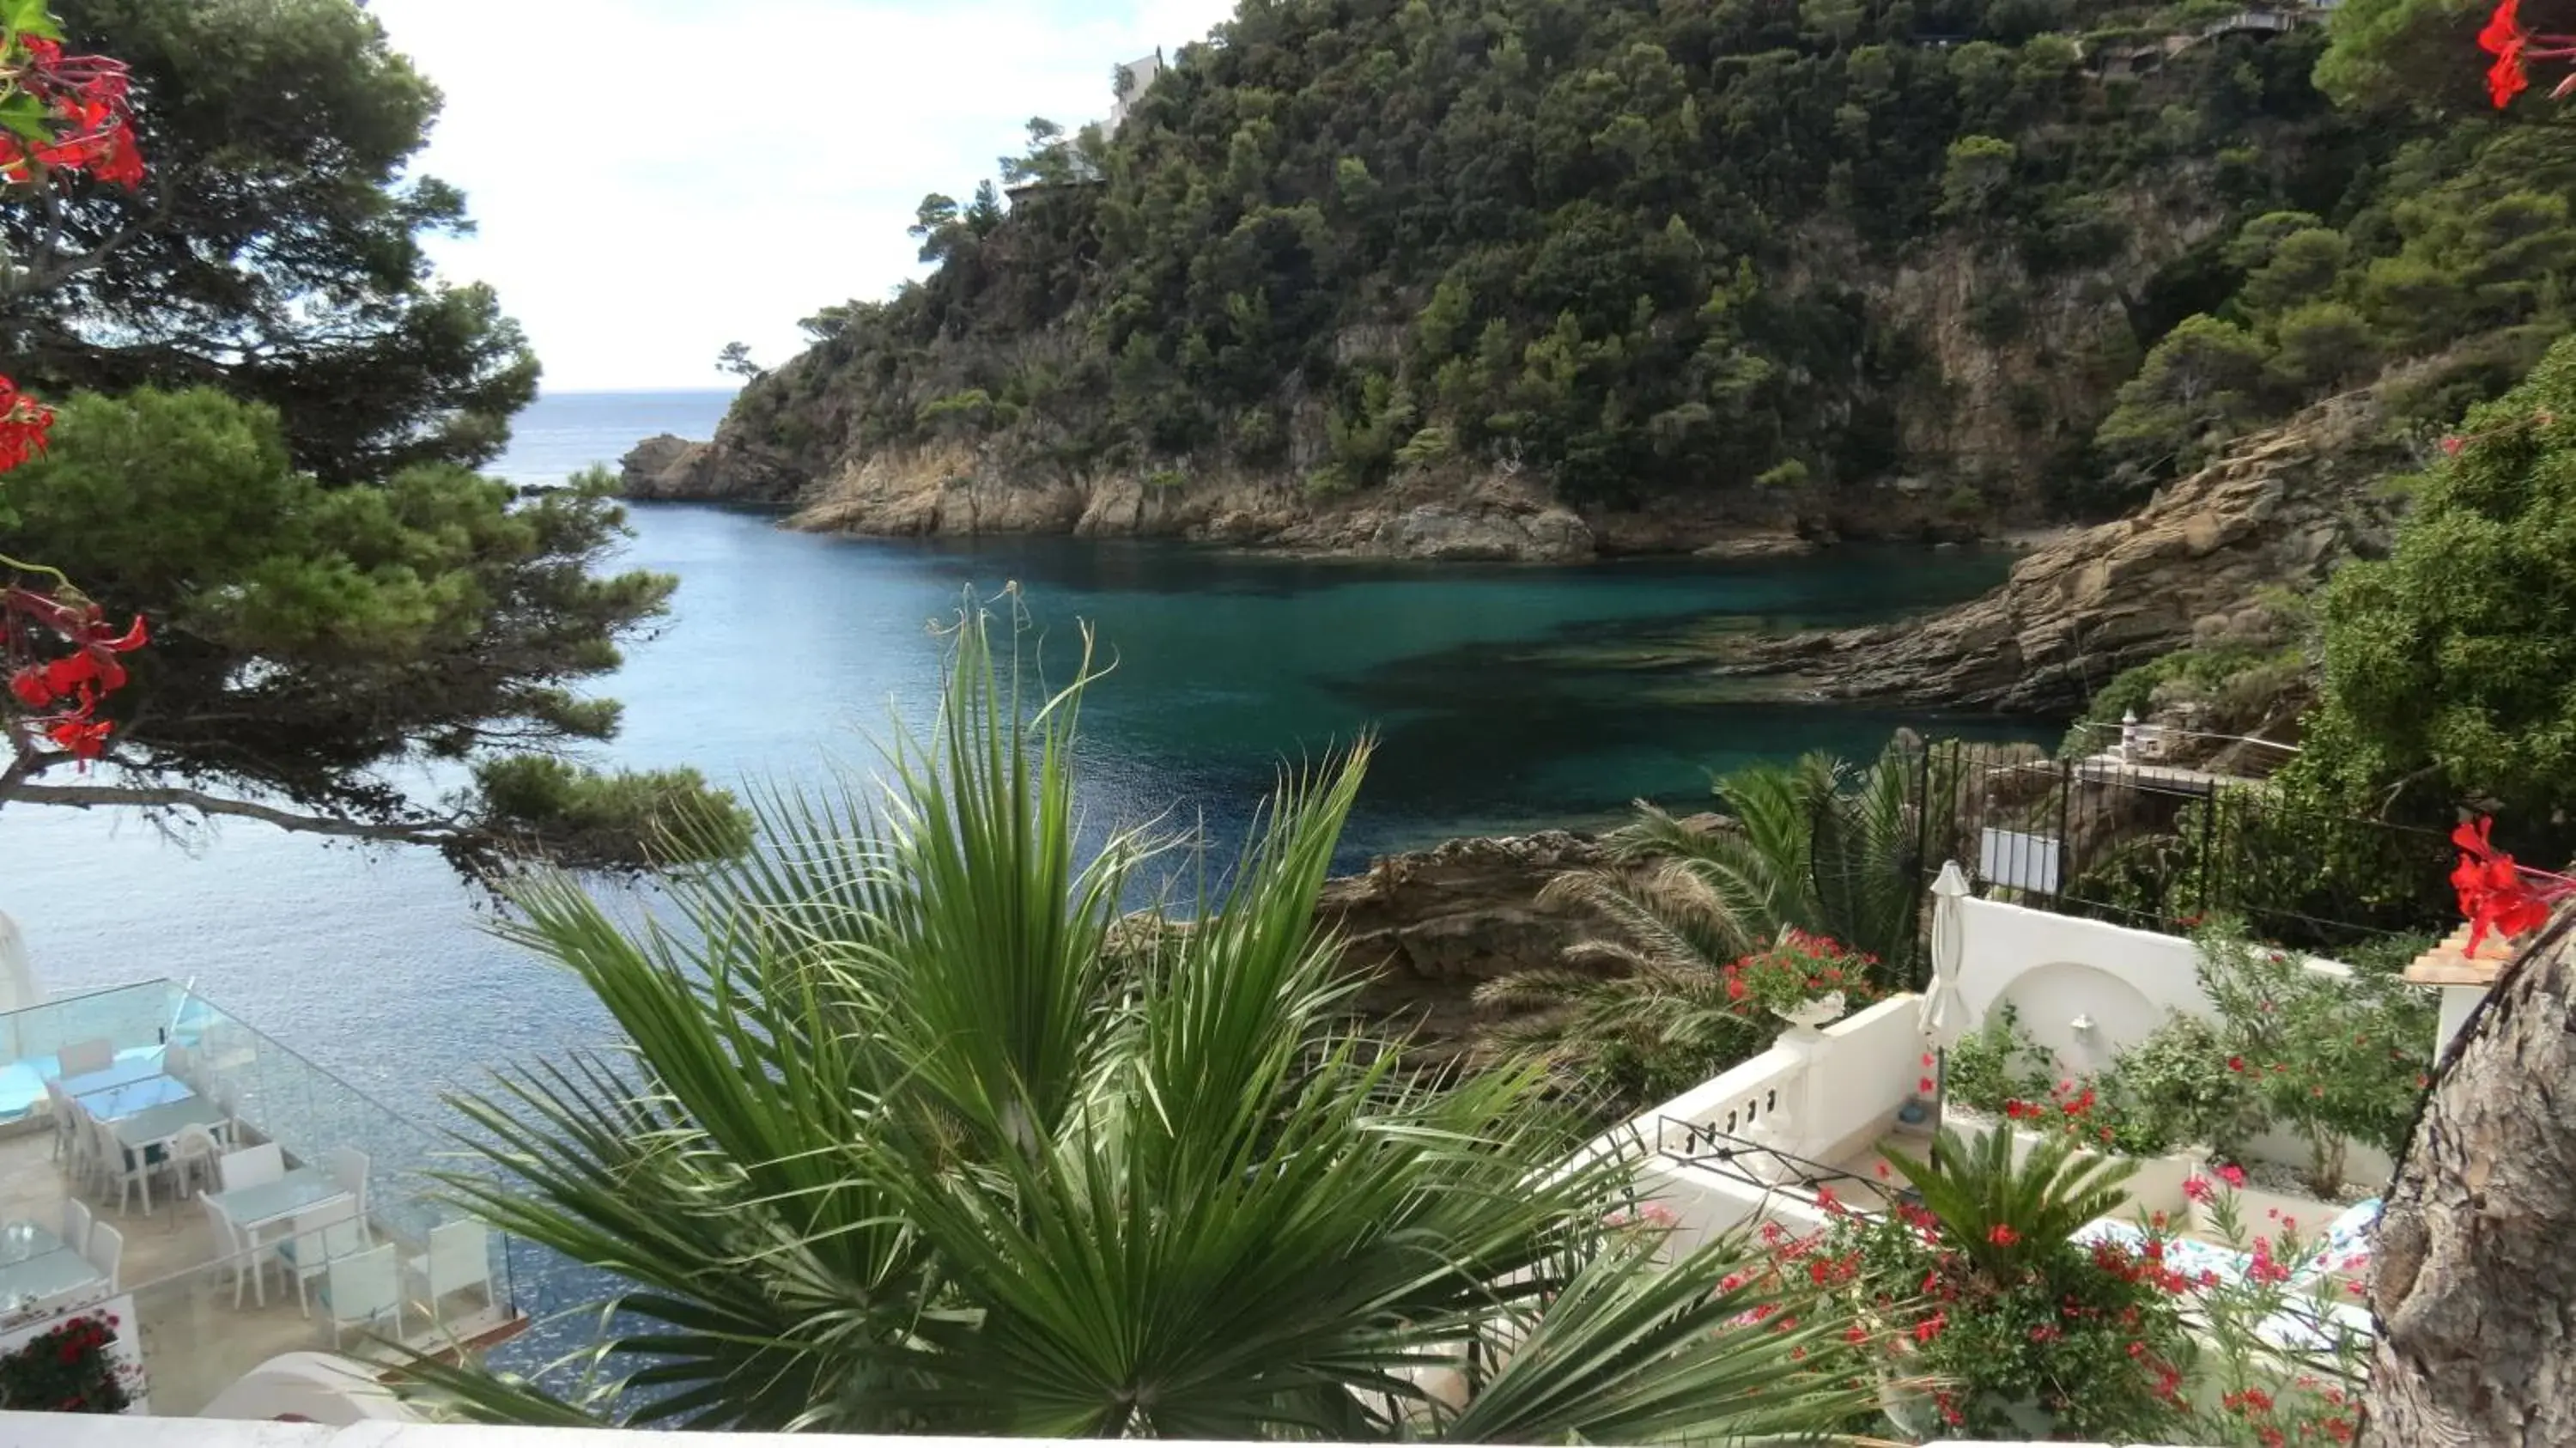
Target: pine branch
[[112, 796]]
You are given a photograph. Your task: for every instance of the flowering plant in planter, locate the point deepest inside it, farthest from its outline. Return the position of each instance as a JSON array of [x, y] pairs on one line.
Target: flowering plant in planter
[[1979, 1288], [1797, 970], [2332, 1059], [69, 1368], [2286, 1359]]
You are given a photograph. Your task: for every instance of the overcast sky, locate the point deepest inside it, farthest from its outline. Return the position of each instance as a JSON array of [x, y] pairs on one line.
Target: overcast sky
[[656, 178]]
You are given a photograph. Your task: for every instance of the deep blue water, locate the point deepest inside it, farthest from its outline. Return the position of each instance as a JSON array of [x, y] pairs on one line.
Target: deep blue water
[[1493, 691]]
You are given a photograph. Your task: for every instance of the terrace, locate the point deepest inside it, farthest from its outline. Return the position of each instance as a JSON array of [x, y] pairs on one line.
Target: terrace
[[227, 1200]]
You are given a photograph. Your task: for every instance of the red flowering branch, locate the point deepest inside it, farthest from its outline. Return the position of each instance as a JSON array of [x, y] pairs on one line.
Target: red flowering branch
[[60, 116], [2513, 47], [63, 113], [2497, 895]]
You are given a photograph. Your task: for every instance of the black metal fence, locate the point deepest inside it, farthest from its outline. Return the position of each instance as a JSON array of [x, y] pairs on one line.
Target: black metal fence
[[2163, 846], [1701, 1144]]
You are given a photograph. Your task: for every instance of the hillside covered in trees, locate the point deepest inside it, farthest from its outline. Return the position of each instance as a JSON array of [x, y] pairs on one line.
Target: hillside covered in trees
[[1839, 265]]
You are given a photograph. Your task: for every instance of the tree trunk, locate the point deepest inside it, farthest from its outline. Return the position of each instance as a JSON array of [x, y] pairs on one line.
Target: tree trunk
[[2475, 1284]]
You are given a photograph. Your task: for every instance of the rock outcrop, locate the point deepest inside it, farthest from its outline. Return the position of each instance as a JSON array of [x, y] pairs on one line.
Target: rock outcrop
[[2279, 511], [1432, 925], [669, 468], [943, 490]]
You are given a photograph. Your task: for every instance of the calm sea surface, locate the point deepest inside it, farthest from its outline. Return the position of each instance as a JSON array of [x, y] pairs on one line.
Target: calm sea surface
[[1496, 694]]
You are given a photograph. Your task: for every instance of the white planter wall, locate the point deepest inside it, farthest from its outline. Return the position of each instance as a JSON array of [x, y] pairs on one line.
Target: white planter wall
[[126, 1349]]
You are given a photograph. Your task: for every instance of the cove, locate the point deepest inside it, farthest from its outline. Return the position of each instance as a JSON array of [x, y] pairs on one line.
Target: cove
[[1503, 698]]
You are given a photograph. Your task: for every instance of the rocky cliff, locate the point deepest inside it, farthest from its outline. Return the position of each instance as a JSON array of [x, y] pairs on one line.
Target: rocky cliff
[[670, 468], [2201, 563], [1431, 926]]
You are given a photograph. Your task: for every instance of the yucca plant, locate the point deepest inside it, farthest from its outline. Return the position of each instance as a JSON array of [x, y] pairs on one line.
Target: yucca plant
[[912, 1133], [2003, 1216]]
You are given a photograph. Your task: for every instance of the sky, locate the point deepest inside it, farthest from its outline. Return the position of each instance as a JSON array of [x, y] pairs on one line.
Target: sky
[[652, 179]]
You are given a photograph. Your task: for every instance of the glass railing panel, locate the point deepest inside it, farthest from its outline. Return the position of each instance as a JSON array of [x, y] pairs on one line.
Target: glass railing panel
[[134, 1021]]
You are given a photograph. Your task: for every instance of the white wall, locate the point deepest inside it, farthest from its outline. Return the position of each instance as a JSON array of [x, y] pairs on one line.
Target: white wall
[[2055, 969], [126, 1349]]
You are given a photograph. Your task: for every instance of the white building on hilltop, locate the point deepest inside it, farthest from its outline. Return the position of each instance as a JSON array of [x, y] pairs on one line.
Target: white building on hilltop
[[1133, 79]]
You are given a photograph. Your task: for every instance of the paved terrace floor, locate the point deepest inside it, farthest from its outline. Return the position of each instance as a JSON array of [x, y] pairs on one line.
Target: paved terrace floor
[[194, 1341]]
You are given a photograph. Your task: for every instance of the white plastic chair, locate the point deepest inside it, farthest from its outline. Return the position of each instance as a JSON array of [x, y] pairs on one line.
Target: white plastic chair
[[459, 1257], [348, 1166], [252, 1166], [82, 1057], [66, 1124], [234, 1251], [124, 1167], [107, 1251], [76, 1224], [192, 1160], [83, 1163], [321, 1235], [359, 1289]]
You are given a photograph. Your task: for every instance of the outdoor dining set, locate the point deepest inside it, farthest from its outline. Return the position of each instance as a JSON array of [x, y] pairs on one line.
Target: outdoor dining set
[[124, 1125]]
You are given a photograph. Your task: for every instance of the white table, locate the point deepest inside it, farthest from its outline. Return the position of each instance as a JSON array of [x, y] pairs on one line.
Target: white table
[[269, 1203], [48, 1268]]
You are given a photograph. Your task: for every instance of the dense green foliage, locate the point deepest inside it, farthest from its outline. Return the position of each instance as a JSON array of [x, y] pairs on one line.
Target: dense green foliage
[[309, 638], [274, 249], [2450, 666], [1655, 1005], [1635, 246], [2331, 1059], [905, 1141], [2459, 249]]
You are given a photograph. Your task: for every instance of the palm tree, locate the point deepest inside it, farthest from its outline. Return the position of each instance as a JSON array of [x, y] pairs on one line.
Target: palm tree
[[1644, 1012], [912, 1133]]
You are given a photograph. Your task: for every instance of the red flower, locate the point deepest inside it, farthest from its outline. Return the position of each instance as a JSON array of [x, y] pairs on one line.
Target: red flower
[[1734, 987], [2231, 1174], [23, 421], [2505, 39], [2003, 1236], [2196, 1188], [2236, 1064], [2496, 894], [1924, 1086]]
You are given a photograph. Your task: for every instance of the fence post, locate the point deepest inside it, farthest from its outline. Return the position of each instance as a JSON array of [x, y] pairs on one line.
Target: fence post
[[2065, 846], [2208, 853]]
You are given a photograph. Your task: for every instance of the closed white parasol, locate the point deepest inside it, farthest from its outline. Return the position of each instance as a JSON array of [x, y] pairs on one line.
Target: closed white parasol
[[17, 974], [1942, 1018]]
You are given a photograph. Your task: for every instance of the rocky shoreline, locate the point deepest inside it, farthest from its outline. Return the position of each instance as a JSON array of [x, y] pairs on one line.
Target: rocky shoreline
[[1455, 516], [2203, 563]]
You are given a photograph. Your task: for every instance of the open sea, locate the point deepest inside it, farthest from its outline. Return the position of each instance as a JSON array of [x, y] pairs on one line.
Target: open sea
[[1501, 698]]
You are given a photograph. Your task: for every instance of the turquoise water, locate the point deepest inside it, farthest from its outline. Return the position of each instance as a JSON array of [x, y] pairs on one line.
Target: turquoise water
[[1496, 695]]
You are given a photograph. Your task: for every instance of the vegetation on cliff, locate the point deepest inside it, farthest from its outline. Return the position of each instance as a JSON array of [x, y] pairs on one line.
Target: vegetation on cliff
[[1766, 249], [2036, 251]]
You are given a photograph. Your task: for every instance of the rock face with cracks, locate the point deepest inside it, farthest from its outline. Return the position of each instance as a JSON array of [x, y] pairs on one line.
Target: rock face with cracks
[[2195, 565]]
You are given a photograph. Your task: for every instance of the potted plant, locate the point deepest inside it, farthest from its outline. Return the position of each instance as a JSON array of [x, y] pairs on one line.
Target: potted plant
[[71, 1367], [2027, 1333], [1806, 980]]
